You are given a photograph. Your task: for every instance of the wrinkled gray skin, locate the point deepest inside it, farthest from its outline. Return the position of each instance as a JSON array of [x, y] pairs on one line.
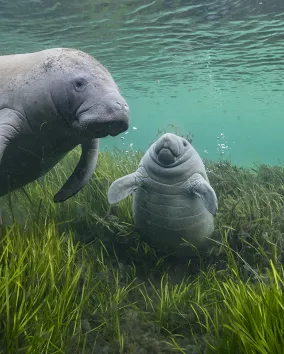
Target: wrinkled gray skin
[[172, 197], [50, 102]]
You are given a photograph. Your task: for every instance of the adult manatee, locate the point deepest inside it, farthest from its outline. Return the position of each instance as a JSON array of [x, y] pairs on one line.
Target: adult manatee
[[50, 102], [172, 197]]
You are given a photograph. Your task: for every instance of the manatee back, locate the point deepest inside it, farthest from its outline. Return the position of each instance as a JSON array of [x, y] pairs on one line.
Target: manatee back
[[44, 60], [28, 70]]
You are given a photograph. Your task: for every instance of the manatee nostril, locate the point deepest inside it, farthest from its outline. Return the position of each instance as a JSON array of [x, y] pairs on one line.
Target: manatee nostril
[[124, 106]]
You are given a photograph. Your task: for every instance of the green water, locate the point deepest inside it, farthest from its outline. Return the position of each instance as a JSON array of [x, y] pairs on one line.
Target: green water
[[214, 69]]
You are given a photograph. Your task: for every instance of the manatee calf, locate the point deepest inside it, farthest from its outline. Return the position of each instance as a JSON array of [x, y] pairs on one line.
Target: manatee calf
[[172, 197], [50, 102]]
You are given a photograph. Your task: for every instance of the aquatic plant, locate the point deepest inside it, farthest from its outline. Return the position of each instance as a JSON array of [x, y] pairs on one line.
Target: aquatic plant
[[76, 277]]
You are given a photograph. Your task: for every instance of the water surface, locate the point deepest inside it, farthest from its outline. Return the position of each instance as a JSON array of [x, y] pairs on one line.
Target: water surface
[[210, 68]]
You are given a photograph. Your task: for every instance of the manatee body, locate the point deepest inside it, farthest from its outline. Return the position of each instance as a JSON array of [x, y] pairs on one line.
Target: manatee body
[[172, 197], [50, 102]]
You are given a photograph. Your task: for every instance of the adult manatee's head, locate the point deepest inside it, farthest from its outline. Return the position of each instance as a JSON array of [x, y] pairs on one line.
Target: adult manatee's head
[[85, 94]]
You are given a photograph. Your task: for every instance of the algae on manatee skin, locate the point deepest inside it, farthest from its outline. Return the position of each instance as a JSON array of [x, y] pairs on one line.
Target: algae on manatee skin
[[75, 280]]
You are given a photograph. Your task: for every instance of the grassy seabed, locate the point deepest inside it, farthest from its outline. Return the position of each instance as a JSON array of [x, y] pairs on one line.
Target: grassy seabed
[[77, 279]]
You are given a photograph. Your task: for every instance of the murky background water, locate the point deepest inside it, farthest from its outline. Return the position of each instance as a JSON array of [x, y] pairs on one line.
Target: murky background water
[[210, 68]]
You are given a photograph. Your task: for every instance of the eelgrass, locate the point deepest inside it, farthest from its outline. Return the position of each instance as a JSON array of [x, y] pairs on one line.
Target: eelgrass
[[251, 316], [42, 290], [76, 277]]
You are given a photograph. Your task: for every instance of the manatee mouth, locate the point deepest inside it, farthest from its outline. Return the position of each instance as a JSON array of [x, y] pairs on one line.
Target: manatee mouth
[[167, 151], [101, 134], [102, 127], [165, 156], [111, 130], [115, 128], [170, 150]]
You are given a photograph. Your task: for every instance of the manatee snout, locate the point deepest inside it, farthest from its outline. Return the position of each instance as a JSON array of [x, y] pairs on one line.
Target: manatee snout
[[118, 113], [110, 116], [116, 105], [167, 149]]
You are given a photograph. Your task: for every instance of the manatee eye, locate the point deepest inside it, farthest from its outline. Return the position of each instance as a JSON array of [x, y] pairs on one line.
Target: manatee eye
[[184, 142], [80, 84]]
